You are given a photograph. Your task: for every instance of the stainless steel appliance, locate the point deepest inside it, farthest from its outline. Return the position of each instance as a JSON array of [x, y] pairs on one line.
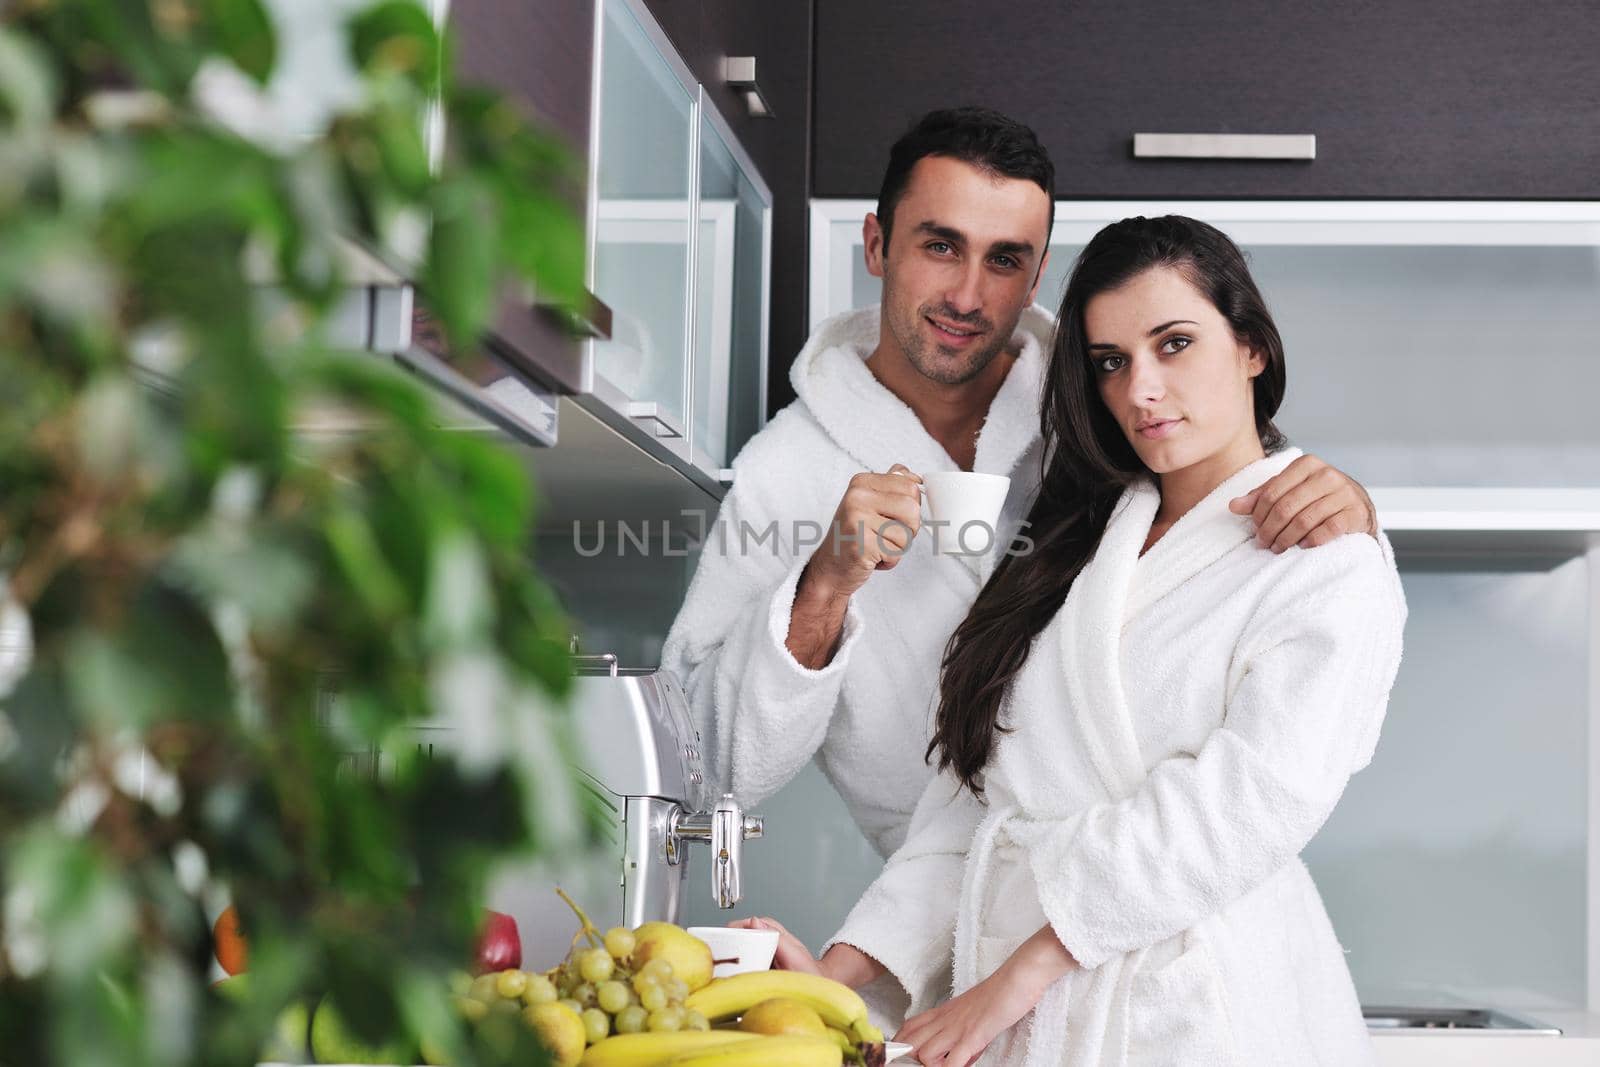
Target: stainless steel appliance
[[643, 767]]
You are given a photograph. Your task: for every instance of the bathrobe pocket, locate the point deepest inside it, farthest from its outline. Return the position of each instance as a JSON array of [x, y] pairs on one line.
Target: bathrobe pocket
[[1177, 1013]]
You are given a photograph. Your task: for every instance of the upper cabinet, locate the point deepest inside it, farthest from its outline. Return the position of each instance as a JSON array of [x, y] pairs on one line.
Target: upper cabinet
[[643, 188], [681, 243], [1480, 100], [732, 297]]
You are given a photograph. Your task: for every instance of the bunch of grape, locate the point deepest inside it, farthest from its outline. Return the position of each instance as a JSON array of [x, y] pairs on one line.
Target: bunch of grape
[[613, 997], [597, 982]]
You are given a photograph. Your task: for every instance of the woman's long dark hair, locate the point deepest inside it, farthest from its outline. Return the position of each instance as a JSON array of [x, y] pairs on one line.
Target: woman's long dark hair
[[1087, 463]]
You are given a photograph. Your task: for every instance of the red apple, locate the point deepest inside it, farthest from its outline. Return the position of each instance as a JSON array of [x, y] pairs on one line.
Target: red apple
[[499, 946]]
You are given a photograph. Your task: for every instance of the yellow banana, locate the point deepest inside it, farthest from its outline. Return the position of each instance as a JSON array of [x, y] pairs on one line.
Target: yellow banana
[[788, 1051], [724, 998], [647, 1050]]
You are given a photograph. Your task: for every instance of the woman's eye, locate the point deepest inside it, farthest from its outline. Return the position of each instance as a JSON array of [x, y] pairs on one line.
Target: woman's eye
[[1175, 344], [1109, 364]]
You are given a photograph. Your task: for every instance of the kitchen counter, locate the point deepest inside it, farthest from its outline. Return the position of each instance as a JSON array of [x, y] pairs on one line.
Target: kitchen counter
[[1579, 1044]]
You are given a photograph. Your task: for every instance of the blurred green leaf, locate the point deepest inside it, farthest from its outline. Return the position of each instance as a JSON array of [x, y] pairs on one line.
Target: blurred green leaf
[[27, 85], [243, 32], [397, 35], [459, 278]]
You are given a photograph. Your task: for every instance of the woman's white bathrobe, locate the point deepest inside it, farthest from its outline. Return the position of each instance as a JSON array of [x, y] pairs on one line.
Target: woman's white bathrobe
[[1181, 729], [866, 717]]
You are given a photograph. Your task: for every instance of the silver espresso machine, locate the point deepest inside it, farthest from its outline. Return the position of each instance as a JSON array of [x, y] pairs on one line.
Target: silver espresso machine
[[642, 766]]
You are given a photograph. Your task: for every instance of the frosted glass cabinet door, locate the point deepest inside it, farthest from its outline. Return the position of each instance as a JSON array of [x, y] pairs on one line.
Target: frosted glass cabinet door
[[1428, 344], [643, 176], [730, 348]]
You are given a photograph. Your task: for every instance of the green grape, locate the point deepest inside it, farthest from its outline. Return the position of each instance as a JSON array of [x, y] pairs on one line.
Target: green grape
[[460, 983], [631, 1020], [577, 1009], [620, 942], [510, 984], [471, 1009], [677, 990], [658, 969], [654, 998], [540, 990], [641, 982], [502, 1006], [483, 988], [596, 1025], [665, 1021], [596, 965], [584, 995], [612, 996], [693, 1020]]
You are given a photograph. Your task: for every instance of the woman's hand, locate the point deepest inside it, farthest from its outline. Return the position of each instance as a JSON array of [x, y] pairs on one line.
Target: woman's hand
[[956, 1032], [791, 954], [843, 963]]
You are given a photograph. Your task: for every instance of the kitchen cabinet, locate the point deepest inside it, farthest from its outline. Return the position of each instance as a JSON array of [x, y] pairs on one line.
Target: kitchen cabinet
[[732, 287], [681, 239], [1478, 99], [1440, 352]]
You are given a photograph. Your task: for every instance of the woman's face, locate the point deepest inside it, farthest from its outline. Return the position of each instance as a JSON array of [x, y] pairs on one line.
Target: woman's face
[[1172, 373]]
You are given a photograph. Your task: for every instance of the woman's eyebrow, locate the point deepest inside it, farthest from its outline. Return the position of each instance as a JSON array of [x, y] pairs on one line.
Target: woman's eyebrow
[[1154, 330]]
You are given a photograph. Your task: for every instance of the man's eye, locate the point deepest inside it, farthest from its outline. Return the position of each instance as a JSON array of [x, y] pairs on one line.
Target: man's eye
[[938, 247], [1005, 261]]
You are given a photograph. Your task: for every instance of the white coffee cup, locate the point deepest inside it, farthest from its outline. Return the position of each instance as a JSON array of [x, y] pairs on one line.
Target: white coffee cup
[[965, 506]]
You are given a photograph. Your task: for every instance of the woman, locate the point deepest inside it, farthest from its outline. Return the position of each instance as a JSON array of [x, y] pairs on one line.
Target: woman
[[1143, 722]]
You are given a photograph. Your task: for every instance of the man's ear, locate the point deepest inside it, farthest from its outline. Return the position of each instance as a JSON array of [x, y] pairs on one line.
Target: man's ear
[[875, 247]]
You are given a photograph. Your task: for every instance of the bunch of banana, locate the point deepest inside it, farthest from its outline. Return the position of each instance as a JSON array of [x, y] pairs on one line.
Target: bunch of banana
[[648, 1050], [764, 1052], [838, 1005]]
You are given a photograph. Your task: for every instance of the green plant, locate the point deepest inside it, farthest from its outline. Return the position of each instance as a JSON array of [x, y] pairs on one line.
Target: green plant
[[198, 577]]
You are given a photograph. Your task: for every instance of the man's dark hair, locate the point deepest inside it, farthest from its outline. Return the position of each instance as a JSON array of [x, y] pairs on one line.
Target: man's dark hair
[[977, 135]]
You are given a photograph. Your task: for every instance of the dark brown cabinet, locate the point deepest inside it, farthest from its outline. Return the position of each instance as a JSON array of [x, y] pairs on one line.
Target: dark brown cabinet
[[1479, 99]]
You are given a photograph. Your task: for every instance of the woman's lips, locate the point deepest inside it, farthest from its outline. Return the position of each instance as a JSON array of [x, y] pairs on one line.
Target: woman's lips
[[1157, 429]]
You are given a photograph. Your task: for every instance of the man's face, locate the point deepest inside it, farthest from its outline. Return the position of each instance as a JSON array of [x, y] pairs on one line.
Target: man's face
[[966, 253]]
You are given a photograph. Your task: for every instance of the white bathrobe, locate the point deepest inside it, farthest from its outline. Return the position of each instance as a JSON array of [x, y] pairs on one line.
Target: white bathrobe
[[867, 716], [1181, 729]]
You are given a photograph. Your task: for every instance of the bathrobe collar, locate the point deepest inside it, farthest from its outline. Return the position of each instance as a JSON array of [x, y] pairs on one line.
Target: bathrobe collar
[[879, 430], [1117, 584]]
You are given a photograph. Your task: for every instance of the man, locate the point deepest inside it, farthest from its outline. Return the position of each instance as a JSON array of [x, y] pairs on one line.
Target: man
[[806, 632]]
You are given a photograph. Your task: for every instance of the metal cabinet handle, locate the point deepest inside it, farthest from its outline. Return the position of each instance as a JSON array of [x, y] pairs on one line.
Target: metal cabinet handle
[[650, 411], [1225, 145], [592, 319]]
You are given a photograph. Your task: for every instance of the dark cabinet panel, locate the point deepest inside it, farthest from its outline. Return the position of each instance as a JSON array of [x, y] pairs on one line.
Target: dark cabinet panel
[[1474, 99], [540, 54]]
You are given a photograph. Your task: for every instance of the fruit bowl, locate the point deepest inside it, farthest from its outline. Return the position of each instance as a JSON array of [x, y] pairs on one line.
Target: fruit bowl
[[735, 951]]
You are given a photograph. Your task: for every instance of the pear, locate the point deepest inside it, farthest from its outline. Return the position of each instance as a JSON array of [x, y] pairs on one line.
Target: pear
[[782, 1015], [287, 1042], [332, 1042], [690, 957]]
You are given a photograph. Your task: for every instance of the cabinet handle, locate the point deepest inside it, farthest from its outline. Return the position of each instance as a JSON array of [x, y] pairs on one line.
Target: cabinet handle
[[591, 320], [650, 411], [1225, 145]]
